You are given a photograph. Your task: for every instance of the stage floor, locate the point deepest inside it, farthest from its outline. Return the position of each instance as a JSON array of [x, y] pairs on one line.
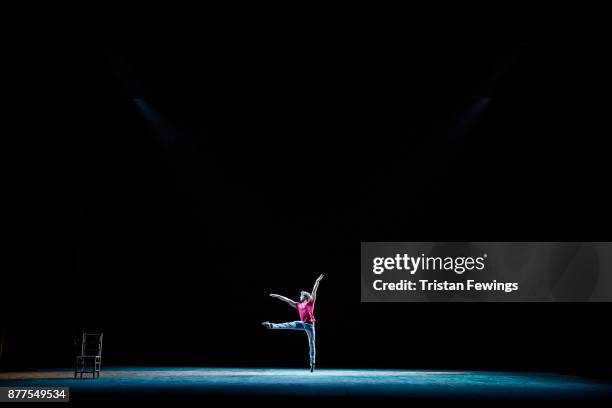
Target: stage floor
[[159, 382]]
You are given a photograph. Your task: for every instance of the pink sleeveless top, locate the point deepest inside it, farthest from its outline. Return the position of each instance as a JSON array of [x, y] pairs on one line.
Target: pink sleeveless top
[[305, 309]]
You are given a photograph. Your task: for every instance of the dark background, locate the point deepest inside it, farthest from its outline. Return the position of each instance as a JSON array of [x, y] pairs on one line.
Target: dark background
[[171, 184]]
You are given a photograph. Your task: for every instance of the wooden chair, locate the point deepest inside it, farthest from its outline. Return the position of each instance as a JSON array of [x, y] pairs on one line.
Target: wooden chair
[[91, 355]]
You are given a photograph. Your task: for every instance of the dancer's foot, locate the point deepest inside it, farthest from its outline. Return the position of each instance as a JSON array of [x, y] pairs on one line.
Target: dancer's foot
[[312, 368], [267, 325]]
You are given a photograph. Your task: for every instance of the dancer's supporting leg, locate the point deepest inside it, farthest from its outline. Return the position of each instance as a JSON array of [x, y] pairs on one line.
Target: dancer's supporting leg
[[310, 332]]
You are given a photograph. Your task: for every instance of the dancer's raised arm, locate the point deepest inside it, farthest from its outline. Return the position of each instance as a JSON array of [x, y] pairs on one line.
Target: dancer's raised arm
[[284, 299], [316, 286]]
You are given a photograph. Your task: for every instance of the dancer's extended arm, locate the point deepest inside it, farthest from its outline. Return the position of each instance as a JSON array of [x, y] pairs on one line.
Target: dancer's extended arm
[[316, 286], [284, 299]]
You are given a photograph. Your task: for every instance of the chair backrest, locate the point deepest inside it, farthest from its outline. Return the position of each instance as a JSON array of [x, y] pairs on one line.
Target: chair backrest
[[91, 344]]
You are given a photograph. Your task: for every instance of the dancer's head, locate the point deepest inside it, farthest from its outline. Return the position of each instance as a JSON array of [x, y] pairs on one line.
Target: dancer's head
[[304, 295]]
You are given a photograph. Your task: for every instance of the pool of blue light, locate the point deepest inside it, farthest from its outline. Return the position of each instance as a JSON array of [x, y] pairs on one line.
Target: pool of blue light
[[323, 383]]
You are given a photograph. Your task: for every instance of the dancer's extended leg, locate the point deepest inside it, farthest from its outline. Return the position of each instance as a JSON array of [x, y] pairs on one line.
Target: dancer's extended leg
[[297, 325]]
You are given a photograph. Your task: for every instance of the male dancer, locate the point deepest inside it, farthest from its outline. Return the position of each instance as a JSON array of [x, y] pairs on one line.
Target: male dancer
[[305, 308]]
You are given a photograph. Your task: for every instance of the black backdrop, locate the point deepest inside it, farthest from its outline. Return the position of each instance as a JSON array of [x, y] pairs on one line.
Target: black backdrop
[[207, 172]]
